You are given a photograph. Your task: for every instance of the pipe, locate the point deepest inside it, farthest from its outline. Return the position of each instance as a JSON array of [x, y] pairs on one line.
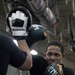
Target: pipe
[[73, 5], [45, 15]]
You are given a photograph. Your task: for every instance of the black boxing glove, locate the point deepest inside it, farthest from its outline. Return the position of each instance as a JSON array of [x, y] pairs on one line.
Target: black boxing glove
[[36, 33], [53, 69], [19, 21]]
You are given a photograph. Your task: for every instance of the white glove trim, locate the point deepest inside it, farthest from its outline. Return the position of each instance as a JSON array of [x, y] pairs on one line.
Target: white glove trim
[[19, 33]]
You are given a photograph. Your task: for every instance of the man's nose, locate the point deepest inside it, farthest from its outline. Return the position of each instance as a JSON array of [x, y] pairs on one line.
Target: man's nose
[[53, 58]]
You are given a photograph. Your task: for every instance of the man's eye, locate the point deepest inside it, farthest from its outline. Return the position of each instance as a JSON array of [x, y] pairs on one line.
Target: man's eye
[[56, 54], [49, 54]]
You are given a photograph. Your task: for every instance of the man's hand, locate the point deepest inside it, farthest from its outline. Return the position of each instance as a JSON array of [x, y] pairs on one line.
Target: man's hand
[[17, 20], [52, 69], [18, 23]]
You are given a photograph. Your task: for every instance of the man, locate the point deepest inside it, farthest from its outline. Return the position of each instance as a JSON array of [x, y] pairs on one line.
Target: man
[[20, 56], [51, 64]]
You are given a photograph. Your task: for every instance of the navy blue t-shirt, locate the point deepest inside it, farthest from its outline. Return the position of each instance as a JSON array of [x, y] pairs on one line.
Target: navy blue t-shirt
[[10, 54], [40, 64]]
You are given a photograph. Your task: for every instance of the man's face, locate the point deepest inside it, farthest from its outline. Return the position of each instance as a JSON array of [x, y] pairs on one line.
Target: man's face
[[54, 54]]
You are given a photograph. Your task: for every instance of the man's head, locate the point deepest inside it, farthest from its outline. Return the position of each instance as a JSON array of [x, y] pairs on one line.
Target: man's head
[[54, 52]]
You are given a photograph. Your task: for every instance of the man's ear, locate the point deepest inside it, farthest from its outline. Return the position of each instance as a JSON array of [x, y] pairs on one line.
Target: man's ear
[[44, 54], [63, 55]]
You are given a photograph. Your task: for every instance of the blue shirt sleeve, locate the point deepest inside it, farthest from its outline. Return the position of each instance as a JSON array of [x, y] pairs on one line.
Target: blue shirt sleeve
[[17, 57]]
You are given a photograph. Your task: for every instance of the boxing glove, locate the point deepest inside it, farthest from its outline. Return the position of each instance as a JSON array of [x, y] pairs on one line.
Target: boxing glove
[[52, 69], [36, 33], [19, 20]]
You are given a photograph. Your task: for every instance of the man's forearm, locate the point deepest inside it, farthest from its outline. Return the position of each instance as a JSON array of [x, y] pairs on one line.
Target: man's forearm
[[24, 47]]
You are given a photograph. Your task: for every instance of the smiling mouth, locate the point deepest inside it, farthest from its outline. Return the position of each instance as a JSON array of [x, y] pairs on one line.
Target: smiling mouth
[[53, 61]]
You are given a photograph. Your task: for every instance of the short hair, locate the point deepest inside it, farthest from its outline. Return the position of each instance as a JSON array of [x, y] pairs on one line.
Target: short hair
[[56, 43]]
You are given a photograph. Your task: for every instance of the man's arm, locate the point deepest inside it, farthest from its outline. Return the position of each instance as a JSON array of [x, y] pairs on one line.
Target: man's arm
[[18, 21]]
